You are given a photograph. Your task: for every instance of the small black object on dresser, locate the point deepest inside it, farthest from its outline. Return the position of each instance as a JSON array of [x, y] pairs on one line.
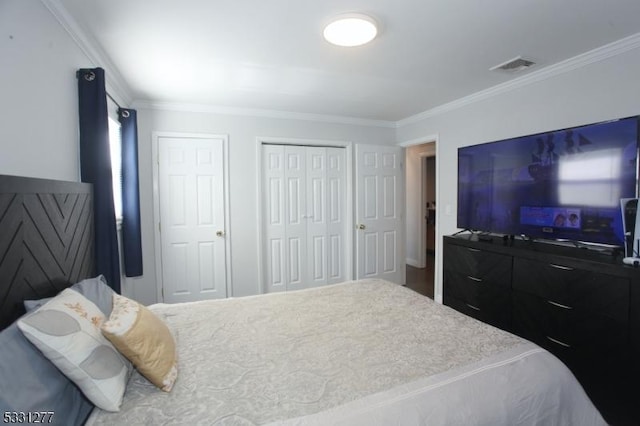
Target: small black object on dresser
[[580, 304]]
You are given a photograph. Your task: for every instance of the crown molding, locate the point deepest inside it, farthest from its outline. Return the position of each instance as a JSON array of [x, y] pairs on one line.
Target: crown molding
[[262, 113], [596, 55], [117, 86]]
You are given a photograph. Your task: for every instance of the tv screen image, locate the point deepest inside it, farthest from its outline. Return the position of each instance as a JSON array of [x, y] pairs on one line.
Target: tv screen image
[[563, 184]]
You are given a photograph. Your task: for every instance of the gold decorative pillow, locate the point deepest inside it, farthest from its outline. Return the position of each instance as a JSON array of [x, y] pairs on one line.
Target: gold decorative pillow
[[144, 339]]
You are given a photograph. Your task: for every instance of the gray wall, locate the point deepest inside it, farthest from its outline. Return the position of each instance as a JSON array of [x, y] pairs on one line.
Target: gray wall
[[39, 108]]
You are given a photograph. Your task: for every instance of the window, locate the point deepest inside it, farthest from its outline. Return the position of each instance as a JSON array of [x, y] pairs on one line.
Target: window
[[115, 144]]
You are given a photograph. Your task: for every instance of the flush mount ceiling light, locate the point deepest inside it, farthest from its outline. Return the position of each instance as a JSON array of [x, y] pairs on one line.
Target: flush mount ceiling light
[[352, 29]]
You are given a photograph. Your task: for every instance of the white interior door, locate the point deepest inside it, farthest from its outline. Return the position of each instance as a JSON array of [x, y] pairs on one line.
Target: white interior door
[[336, 207], [295, 174], [303, 204], [285, 216], [316, 216], [273, 202], [379, 217], [192, 222]]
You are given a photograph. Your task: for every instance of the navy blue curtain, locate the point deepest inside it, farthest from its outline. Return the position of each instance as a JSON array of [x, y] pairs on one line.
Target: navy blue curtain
[[131, 241], [95, 168]]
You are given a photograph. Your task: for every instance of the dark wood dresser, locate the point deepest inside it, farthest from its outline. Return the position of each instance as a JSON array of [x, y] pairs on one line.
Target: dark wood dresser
[[580, 304]]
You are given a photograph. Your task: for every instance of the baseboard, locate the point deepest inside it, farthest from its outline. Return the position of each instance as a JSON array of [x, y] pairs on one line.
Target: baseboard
[[415, 263]]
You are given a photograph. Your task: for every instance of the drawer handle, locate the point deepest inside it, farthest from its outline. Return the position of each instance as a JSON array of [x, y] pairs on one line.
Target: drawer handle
[[478, 280], [566, 345], [559, 305], [475, 308], [473, 249], [564, 268]]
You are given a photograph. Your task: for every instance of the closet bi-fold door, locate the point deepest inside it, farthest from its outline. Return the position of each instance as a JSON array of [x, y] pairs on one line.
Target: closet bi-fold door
[[325, 215], [303, 205]]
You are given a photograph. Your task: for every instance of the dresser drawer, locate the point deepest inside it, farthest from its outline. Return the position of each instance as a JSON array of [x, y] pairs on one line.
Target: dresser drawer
[[582, 290], [470, 289], [571, 334], [478, 264], [496, 313], [477, 299]]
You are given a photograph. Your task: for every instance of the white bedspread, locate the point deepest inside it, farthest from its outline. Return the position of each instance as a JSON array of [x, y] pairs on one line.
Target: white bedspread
[[367, 352]]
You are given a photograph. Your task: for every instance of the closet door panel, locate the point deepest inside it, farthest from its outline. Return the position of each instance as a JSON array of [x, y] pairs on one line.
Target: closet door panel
[[295, 160], [316, 217], [336, 205], [274, 243]]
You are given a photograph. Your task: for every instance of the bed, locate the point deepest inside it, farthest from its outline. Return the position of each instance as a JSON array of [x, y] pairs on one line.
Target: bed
[[358, 353]]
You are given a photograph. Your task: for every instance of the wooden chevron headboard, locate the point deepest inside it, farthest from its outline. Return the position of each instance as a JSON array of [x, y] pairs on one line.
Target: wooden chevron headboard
[[46, 240]]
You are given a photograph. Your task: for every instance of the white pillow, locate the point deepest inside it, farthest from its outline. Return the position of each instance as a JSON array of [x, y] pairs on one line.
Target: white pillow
[[67, 331]]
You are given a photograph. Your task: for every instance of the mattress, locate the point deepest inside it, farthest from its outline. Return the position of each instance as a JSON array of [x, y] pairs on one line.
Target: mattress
[[363, 352]]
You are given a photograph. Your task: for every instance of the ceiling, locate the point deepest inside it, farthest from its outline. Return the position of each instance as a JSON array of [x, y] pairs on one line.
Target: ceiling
[[271, 55]]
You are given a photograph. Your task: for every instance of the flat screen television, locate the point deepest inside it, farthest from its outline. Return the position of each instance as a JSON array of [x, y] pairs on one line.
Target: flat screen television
[[558, 185]]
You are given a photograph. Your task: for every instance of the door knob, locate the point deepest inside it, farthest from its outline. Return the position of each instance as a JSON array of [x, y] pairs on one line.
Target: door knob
[[361, 226], [220, 233]]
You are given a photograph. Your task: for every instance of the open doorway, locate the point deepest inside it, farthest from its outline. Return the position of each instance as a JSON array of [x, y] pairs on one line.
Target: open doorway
[[420, 210]]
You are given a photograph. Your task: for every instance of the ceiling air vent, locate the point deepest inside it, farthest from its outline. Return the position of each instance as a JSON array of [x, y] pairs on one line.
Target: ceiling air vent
[[513, 65]]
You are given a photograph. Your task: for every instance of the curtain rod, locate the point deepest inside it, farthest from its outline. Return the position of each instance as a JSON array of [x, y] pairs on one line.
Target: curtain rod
[[114, 101]]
